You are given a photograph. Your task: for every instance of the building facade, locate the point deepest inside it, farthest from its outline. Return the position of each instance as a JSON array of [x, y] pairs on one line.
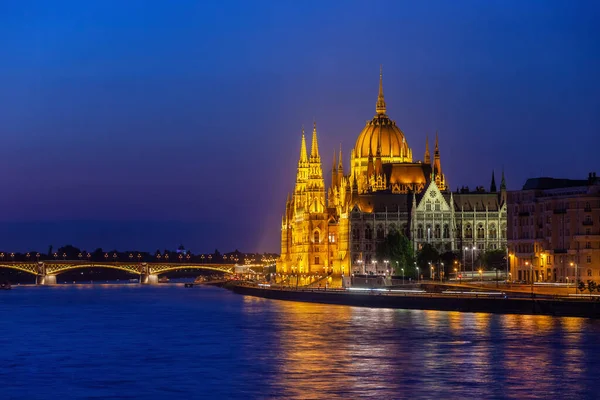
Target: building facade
[[554, 230], [384, 190]]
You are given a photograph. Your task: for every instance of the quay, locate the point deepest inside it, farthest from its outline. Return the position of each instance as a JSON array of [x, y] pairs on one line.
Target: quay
[[486, 302]]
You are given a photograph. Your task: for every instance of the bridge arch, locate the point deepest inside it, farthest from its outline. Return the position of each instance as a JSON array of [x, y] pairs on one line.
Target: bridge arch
[[29, 268], [159, 270], [60, 268]]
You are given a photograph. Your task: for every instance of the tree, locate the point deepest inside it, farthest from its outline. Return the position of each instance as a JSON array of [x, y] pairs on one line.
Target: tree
[[427, 254], [591, 286], [493, 260], [397, 249], [449, 258], [581, 286]]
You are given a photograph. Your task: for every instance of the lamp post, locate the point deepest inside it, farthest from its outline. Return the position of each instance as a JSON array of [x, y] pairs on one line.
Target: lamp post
[[403, 276], [441, 270], [430, 270], [530, 275], [455, 273], [374, 262], [397, 265], [576, 280], [418, 277], [480, 277], [386, 262]]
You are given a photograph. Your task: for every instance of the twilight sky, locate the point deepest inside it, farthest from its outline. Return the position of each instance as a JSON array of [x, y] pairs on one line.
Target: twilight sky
[[146, 124]]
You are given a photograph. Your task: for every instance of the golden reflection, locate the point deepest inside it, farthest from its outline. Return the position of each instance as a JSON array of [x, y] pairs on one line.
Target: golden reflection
[[326, 352]]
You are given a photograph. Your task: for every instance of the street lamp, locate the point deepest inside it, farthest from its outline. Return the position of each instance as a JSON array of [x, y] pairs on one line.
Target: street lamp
[[481, 277], [374, 262], [402, 275], [431, 270], [418, 278], [386, 262], [441, 270], [576, 277], [455, 273], [530, 275]]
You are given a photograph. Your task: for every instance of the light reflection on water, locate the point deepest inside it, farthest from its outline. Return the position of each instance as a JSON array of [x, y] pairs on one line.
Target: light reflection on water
[[106, 341]]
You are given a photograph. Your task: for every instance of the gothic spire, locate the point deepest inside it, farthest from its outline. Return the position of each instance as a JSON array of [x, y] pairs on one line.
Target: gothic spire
[[314, 146], [380, 107], [427, 159], [503, 182], [436, 152], [340, 165], [493, 184], [303, 157]]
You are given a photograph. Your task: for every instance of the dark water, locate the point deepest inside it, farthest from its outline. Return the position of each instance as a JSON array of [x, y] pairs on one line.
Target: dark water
[[168, 342]]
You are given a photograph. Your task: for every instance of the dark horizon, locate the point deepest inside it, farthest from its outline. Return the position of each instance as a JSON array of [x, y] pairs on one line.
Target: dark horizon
[[152, 125]]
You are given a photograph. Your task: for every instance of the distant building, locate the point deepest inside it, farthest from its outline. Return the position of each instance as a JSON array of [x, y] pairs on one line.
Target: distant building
[[338, 230], [554, 230]]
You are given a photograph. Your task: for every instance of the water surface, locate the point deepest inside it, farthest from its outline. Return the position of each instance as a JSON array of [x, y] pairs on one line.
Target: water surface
[[169, 342]]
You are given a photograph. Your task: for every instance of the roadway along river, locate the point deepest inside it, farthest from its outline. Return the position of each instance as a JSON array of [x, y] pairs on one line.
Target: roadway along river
[[168, 342]]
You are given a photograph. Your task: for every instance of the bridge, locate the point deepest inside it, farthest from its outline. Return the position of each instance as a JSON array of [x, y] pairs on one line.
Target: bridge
[[46, 271]]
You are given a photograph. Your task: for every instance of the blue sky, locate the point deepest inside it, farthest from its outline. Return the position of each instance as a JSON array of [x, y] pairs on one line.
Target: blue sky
[[179, 122]]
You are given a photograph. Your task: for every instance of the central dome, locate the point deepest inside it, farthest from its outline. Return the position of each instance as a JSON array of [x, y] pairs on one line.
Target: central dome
[[383, 134]]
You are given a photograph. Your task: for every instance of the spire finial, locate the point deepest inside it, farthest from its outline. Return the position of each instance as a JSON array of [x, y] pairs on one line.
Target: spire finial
[[340, 165], [303, 157], [314, 146], [380, 106]]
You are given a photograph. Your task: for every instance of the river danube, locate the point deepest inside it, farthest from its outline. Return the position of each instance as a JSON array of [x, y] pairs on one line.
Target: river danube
[[171, 342]]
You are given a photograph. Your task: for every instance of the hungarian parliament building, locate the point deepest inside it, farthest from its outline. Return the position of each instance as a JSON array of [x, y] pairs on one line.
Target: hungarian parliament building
[[383, 190]]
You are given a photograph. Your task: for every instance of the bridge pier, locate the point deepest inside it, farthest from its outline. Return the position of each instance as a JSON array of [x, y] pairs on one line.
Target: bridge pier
[[149, 279], [46, 280]]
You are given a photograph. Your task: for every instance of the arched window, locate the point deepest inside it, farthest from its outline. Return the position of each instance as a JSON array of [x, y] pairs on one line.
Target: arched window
[[420, 231], [368, 233], [480, 232], [437, 205], [437, 231], [428, 206], [316, 238], [468, 231], [355, 234], [428, 232], [503, 231], [380, 232], [493, 232], [446, 231], [589, 271]]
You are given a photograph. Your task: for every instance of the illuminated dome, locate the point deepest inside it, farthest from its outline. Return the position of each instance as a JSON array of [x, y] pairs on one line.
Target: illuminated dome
[[382, 131]]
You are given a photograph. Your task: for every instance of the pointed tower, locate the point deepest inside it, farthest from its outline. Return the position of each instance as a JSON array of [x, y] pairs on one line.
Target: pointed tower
[[438, 175], [301, 175], [427, 158], [314, 146], [315, 184], [340, 168], [380, 106], [493, 184], [503, 189]]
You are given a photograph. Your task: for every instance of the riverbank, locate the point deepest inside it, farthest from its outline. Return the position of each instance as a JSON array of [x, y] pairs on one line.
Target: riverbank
[[463, 302]]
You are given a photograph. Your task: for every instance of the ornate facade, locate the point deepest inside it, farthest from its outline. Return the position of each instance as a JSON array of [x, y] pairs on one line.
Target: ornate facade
[[384, 190]]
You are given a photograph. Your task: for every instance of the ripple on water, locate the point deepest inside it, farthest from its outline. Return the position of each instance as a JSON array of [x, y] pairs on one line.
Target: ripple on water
[[169, 342]]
